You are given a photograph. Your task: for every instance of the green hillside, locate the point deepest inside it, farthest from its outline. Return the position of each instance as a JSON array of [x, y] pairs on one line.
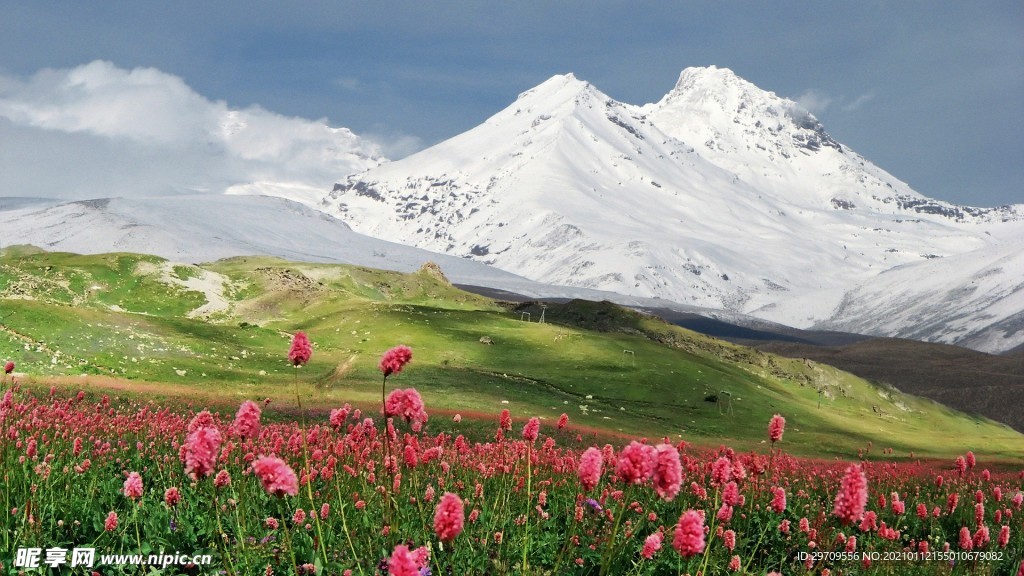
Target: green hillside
[[221, 331]]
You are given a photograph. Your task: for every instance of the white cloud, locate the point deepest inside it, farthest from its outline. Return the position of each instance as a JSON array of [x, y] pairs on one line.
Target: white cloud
[[858, 102], [98, 130], [394, 145], [814, 101]]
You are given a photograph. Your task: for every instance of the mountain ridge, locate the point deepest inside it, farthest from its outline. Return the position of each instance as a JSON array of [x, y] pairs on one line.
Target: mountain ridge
[[720, 195]]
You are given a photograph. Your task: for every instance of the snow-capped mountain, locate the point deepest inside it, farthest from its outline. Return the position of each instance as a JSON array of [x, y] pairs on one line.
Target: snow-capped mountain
[[720, 195]]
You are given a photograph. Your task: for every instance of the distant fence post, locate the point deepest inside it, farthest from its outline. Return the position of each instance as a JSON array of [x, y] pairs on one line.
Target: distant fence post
[[728, 395]]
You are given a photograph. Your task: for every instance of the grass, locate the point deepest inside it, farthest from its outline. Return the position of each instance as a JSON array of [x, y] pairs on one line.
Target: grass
[[112, 316]]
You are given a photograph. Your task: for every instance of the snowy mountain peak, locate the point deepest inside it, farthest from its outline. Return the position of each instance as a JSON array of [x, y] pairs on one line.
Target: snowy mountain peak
[[720, 195], [559, 95], [709, 79]]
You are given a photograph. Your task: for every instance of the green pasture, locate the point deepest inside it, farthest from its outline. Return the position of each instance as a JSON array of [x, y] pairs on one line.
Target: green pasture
[[610, 369]]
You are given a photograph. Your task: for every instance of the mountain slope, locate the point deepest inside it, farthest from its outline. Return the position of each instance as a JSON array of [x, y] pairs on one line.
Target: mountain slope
[[961, 379], [720, 195], [131, 317], [209, 227]]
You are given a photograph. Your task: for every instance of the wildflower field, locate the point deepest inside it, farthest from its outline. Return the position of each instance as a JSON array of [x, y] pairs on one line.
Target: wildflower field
[[351, 494], [136, 427]]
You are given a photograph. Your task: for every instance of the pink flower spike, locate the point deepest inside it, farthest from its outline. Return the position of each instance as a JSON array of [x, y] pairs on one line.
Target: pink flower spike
[[395, 359], [449, 517], [590, 468], [689, 534], [247, 420], [635, 463], [852, 496], [133, 486], [776, 427], [406, 404], [651, 545], [172, 496], [276, 476], [200, 454], [531, 430], [402, 563], [301, 350], [668, 471]]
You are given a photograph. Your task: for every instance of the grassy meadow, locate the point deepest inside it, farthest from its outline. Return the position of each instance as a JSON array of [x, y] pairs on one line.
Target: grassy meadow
[[127, 323]]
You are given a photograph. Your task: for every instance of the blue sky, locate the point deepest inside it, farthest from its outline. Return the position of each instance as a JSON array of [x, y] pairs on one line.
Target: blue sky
[[930, 91]]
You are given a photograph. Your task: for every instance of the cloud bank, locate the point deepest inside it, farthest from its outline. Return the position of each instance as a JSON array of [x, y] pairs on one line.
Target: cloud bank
[[98, 130]]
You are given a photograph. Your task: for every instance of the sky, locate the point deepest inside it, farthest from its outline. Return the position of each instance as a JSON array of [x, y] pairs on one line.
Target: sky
[[108, 98]]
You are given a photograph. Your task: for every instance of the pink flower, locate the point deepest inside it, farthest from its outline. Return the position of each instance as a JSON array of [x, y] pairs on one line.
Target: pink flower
[[301, 350], [869, 522], [590, 468], [531, 430], [457, 418], [402, 563], [338, 416], [668, 471], [961, 465], [247, 420], [725, 514], [277, 477], [563, 420], [778, 499], [651, 545], [734, 563], [689, 534], [1004, 536], [981, 537], [852, 496], [8, 367], [505, 420], [922, 511], [721, 471], [969, 457], [133, 486], [222, 479], [635, 463], [729, 540], [731, 494], [395, 359], [449, 517], [110, 524], [201, 420], [966, 542], [776, 426], [201, 452], [407, 404], [172, 496], [409, 454]]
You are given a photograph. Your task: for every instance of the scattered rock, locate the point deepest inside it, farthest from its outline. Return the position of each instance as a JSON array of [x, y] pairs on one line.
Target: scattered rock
[[486, 340], [432, 269]]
